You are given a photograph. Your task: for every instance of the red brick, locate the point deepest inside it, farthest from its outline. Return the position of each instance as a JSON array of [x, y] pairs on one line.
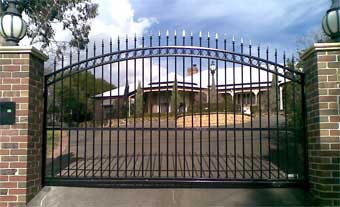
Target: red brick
[[18, 165], [20, 87], [11, 81], [9, 158], [334, 119], [9, 132], [5, 87], [17, 191], [4, 152], [8, 185], [17, 178], [11, 68], [21, 61], [8, 198], [3, 178], [19, 152], [4, 165], [327, 58], [328, 99]]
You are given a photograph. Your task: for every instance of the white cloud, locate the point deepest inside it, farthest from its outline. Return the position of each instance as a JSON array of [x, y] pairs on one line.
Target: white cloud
[[116, 17]]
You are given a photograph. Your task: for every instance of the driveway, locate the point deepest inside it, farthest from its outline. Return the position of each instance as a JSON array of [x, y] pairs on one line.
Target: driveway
[[93, 197], [154, 149]]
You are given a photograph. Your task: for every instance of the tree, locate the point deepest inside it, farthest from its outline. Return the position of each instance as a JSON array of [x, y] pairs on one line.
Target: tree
[[139, 100], [74, 15], [77, 96], [175, 98], [274, 94]]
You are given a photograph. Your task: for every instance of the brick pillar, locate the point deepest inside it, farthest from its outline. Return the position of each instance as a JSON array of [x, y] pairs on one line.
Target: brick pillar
[[21, 81], [322, 68]]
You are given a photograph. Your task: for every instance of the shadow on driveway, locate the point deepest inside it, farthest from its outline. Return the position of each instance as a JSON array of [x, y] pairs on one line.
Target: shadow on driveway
[[99, 197]]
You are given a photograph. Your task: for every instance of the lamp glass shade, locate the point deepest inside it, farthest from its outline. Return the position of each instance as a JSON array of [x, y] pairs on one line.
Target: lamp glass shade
[[213, 67], [333, 21], [12, 27], [325, 26]]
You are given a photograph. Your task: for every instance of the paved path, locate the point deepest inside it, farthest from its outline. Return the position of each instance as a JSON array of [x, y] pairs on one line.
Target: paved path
[[93, 197]]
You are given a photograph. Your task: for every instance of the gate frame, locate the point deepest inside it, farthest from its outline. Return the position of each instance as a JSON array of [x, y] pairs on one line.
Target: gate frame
[[176, 51]]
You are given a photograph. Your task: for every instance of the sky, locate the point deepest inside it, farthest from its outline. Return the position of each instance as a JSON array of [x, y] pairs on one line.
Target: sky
[[273, 23], [269, 23]]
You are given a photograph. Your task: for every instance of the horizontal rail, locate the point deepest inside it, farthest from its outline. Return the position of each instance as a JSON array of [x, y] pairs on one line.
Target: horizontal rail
[[177, 183]]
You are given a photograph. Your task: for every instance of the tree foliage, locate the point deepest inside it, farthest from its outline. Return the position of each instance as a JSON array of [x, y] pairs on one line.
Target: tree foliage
[[74, 95], [176, 98], [74, 15], [139, 100]]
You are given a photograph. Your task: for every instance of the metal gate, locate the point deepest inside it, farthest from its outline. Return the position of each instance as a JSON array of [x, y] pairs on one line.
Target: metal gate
[[175, 111]]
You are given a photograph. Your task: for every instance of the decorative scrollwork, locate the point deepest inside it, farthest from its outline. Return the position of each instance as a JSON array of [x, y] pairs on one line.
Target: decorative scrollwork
[[177, 51]]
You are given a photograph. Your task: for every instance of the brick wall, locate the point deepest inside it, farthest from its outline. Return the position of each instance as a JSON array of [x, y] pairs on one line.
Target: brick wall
[[21, 81], [322, 68]]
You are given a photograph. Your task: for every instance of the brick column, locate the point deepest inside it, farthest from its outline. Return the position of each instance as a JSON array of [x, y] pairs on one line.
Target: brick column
[[21, 81], [322, 68]]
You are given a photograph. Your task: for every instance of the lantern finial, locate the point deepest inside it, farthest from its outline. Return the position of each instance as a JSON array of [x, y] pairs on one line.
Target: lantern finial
[[12, 27], [331, 21]]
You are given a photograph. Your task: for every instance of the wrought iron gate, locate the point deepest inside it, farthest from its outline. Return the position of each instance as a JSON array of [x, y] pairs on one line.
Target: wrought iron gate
[[174, 110]]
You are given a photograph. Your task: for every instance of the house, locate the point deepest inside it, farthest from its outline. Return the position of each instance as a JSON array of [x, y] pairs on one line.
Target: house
[[247, 86]]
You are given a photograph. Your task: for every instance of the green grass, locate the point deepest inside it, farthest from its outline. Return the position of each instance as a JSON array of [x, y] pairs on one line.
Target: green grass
[[50, 140]]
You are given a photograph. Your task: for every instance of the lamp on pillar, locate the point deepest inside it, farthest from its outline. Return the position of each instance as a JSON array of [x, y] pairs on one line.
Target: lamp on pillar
[[213, 94], [12, 27], [331, 21]]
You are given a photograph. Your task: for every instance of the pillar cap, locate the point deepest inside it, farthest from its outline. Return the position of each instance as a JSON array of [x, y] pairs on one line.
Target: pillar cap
[[319, 47], [24, 50]]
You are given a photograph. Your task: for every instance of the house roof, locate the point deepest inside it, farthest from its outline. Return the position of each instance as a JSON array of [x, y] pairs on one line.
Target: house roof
[[224, 79]]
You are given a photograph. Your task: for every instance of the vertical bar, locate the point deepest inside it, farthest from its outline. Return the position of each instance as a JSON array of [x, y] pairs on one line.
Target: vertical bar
[[135, 105], [209, 111], [86, 109], [54, 115], [61, 117], [294, 115], [94, 114], [184, 104], [102, 116], [151, 112], [78, 113], [167, 111], [127, 105], [251, 113], [143, 63], [111, 117], [268, 111], [226, 108], [192, 107], [201, 106], [286, 115], [70, 118], [234, 102], [277, 116], [119, 109], [242, 111], [260, 109], [44, 138], [159, 107], [217, 114], [176, 88]]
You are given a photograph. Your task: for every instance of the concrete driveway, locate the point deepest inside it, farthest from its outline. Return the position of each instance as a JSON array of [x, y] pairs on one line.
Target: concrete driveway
[[94, 197]]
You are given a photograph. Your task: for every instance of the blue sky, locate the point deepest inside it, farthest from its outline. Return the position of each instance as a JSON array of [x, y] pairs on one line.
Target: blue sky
[[271, 23], [268, 23], [274, 23]]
